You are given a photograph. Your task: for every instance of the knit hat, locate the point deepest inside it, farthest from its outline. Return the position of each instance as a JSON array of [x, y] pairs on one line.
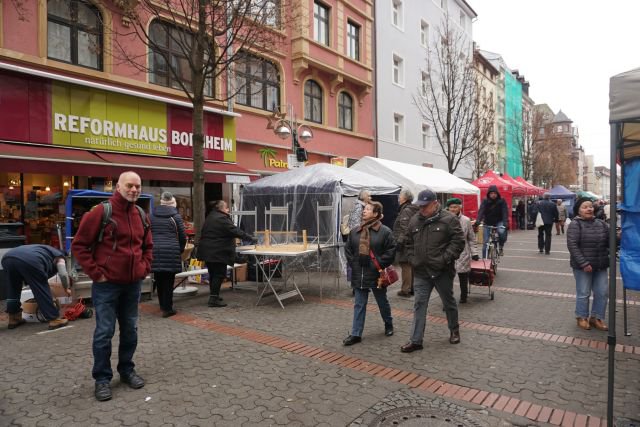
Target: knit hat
[[453, 201], [579, 202], [167, 199]]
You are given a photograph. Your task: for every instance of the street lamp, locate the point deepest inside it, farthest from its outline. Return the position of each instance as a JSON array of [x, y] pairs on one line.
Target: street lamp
[[285, 128]]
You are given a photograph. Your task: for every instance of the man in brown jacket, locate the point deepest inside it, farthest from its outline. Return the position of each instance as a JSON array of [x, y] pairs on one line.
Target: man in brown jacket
[[406, 211]]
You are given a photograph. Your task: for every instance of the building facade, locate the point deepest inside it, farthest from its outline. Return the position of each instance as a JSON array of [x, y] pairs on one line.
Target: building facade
[[74, 116], [405, 31], [487, 124]]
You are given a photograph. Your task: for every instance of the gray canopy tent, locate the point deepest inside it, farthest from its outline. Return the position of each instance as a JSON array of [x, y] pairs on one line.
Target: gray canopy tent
[[624, 119]]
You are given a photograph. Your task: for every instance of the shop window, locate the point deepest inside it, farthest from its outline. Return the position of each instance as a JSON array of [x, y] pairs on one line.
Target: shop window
[[258, 83], [10, 204], [168, 64], [312, 101], [345, 111], [74, 33], [44, 207]]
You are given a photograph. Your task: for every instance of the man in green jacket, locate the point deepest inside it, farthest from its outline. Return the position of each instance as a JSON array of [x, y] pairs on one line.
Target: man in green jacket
[[434, 240]]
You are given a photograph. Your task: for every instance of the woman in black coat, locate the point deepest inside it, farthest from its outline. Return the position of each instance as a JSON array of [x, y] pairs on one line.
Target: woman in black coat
[[169, 240], [588, 243], [217, 247], [372, 236]]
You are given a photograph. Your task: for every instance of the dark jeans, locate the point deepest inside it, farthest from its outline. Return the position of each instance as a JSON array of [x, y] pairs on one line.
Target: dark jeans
[[18, 271], [544, 237], [164, 284], [360, 308], [113, 302], [423, 288], [463, 278]]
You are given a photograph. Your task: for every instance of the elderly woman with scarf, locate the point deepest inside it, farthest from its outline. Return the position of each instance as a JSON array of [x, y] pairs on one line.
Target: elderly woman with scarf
[[370, 239]]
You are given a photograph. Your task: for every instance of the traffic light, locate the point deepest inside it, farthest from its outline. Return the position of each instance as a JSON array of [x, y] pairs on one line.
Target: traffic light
[[301, 154]]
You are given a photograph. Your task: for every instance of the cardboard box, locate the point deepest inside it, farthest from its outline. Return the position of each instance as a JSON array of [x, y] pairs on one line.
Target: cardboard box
[[241, 273]]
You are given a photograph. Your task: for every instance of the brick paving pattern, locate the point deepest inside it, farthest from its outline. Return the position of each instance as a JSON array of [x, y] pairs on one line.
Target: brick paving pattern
[[522, 360]]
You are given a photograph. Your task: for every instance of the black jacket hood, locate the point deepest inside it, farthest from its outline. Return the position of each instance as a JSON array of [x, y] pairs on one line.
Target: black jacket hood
[[493, 188]]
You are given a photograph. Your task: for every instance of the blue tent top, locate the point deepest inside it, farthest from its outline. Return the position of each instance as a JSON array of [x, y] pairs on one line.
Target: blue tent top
[[560, 192], [97, 196]]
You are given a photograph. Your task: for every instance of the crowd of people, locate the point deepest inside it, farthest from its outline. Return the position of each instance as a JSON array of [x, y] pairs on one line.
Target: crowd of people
[[430, 243]]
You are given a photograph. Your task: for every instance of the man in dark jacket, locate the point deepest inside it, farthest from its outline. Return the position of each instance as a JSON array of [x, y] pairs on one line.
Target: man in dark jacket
[[434, 240], [406, 211], [33, 265], [217, 247], [117, 265], [493, 212], [549, 213]]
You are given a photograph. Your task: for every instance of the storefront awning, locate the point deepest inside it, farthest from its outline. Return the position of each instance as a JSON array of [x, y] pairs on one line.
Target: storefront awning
[[171, 169], [63, 161]]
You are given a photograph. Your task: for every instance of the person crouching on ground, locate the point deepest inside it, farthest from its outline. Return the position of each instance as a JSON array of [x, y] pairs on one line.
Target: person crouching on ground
[[463, 263], [169, 240], [217, 248], [588, 243], [371, 239], [434, 240], [33, 265]]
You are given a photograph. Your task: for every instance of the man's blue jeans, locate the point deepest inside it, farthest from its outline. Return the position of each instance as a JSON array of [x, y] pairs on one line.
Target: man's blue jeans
[[360, 308], [596, 282], [113, 302], [423, 288], [486, 236]]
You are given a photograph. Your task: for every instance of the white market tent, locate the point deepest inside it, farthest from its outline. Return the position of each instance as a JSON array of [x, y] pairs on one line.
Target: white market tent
[[414, 177], [303, 189], [624, 120]]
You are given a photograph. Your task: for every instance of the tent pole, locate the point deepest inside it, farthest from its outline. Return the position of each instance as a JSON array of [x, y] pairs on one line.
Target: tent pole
[[611, 339]]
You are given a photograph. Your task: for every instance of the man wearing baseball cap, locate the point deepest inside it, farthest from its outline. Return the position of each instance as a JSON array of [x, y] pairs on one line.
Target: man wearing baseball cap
[[434, 240]]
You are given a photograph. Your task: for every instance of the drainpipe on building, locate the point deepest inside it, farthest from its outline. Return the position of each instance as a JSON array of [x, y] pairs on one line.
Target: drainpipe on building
[[375, 83]]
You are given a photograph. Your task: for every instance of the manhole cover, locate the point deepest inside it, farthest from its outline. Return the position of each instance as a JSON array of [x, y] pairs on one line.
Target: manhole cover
[[424, 417]]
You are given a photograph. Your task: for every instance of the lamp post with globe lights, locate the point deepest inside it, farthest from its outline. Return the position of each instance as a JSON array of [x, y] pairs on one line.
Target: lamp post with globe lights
[[288, 126]]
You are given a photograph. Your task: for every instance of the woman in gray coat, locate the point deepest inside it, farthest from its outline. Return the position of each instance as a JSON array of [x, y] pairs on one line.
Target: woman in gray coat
[[588, 243], [463, 263]]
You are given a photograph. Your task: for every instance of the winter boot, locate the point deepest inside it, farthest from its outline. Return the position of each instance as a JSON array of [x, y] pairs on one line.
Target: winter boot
[[214, 301], [15, 320]]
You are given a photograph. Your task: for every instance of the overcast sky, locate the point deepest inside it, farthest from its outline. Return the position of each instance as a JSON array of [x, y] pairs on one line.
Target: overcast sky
[[567, 50]]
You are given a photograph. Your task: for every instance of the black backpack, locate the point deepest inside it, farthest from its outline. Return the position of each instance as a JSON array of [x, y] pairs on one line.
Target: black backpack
[[106, 219]]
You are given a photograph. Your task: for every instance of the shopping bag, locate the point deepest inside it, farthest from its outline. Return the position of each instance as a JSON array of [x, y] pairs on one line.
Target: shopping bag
[[539, 221], [567, 221], [195, 264]]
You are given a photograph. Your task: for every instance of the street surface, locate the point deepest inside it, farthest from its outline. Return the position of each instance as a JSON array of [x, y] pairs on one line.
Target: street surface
[[522, 360]]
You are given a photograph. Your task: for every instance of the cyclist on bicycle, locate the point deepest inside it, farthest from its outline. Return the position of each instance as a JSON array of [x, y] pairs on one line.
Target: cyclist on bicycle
[[494, 213]]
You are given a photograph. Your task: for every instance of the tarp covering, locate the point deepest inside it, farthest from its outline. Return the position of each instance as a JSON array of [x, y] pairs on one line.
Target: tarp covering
[[414, 177], [301, 190], [629, 248], [517, 188]]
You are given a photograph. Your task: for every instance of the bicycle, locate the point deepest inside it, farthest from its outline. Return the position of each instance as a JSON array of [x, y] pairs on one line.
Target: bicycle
[[493, 252]]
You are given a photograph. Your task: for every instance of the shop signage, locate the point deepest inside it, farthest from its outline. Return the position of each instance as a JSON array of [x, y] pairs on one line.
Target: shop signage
[[269, 159], [45, 111]]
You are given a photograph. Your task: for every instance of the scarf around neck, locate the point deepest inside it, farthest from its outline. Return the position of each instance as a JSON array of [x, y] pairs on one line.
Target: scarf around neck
[[365, 236]]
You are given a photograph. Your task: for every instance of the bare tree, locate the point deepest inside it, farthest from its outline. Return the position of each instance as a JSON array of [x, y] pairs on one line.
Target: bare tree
[[208, 38], [483, 155], [524, 142], [552, 162], [447, 96]]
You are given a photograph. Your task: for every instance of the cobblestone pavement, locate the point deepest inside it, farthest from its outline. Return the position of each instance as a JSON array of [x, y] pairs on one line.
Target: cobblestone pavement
[[522, 360]]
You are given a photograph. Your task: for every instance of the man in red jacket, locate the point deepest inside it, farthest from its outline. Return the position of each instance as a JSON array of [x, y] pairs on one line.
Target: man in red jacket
[[117, 265]]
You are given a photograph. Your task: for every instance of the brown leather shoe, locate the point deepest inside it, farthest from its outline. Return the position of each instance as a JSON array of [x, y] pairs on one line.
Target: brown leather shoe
[[410, 347], [58, 323], [404, 294], [598, 324], [455, 336], [583, 323]]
